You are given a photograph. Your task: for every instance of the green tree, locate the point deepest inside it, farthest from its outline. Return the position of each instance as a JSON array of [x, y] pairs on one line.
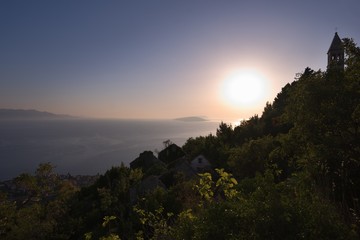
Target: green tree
[[251, 157], [264, 209], [108, 196], [44, 204], [7, 215]]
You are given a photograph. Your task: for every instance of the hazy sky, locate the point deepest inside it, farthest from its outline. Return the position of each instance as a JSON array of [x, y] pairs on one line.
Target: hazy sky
[[160, 59]]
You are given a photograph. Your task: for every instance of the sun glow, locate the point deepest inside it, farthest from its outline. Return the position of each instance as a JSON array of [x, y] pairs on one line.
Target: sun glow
[[244, 88]]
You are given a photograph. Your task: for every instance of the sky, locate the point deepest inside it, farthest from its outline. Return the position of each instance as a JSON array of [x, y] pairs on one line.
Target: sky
[[157, 59]]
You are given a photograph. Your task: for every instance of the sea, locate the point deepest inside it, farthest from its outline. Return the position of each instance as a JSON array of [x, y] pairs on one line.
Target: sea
[[87, 146]]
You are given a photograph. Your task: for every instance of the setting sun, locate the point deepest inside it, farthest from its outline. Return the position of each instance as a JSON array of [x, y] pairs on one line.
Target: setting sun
[[243, 88]]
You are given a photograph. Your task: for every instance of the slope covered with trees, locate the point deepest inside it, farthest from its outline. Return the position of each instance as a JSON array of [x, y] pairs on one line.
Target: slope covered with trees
[[291, 173]]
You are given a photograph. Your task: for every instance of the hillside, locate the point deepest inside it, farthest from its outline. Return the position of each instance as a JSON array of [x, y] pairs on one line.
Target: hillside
[[291, 173]]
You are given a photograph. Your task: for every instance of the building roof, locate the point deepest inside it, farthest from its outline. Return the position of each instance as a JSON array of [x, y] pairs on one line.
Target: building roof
[[145, 161], [336, 43], [171, 153]]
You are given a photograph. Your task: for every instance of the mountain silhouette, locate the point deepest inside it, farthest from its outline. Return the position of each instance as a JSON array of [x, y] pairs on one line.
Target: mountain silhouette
[[21, 114]]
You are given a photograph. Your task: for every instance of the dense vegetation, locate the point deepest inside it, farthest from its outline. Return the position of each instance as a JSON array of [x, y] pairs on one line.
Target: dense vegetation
[[292, 173]]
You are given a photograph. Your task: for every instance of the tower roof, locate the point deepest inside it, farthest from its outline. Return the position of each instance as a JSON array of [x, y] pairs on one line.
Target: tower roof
[[336, 43]]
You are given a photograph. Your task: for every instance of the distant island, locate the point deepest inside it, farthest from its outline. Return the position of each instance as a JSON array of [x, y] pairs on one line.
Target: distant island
[[191, 119], [21, 114]]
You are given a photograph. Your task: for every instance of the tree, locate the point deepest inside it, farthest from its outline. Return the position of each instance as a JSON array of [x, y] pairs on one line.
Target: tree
[[108, 196], [251, 157], [264, 209], [44, 204]]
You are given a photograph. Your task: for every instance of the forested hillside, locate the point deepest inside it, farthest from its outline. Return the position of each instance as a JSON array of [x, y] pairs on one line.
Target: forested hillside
[[291, 173]]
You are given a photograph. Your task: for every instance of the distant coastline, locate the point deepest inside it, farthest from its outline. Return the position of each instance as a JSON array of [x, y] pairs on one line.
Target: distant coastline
[[191, 119], [22, 114]]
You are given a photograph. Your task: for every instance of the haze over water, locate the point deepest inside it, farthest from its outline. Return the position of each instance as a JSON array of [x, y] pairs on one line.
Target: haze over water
[[87, 146]]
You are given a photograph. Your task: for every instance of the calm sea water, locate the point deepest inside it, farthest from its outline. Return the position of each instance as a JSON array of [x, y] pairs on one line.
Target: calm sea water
[[87, 146]]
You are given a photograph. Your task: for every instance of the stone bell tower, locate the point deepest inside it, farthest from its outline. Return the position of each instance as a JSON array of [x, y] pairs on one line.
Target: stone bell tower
[[336, 54]]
